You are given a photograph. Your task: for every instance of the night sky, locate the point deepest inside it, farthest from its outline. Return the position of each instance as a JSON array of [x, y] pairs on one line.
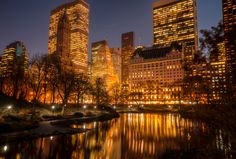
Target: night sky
[[28, 20]]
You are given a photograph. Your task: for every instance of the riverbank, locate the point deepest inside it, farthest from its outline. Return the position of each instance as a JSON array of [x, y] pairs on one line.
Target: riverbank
[[223, 116], [148, 109], [216, 116], [52, 127]]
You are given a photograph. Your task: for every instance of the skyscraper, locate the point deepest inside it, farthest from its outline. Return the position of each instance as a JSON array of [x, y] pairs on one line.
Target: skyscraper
[[127, 50], [75, 15], [175, 21], [102, 66], [63, 37], [116, 61], [229, 19], [14, 58]]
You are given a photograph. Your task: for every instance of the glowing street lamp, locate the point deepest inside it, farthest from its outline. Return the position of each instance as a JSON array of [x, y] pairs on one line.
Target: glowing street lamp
[[84, 106], [9, 107], [53, 108], [5, 148]]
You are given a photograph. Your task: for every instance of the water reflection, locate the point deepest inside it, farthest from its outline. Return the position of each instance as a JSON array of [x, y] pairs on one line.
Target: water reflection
[[132, 136]]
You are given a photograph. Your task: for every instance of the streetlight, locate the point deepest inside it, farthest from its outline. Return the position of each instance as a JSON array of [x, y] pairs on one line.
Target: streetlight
[[53, 107], [5, 148], [84, 106], [9, 107]]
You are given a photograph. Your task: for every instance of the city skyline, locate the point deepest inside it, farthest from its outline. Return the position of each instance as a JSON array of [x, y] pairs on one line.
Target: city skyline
[[36, 37]]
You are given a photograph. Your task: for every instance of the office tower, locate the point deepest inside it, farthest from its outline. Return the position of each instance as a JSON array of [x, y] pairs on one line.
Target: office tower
[[63, 37], [75, 15], [116, 60], [14, 58], [127, 49], [101, 64], [175, 21], [229, 20], [156, 74]]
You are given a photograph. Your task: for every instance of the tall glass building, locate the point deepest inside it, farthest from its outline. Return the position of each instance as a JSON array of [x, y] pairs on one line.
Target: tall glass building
[[175, 21], [77, 13], [102, 66], [229, 19], [127, 50], [14, 58]]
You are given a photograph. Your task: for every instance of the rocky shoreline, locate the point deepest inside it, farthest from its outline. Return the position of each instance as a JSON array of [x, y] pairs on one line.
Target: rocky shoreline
[[54, 127]]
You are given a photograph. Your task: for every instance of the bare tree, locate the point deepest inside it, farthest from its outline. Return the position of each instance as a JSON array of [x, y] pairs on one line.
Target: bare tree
[[36, 78], [47, 66], [124, 94], [99, 92], [65, 84], [82, 86], [53, 77], [116, 93]]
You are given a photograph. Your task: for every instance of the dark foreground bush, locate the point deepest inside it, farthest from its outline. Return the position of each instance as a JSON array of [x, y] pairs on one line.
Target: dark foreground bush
[[192, 154], [78, 114], [20, 126], [12, 118]]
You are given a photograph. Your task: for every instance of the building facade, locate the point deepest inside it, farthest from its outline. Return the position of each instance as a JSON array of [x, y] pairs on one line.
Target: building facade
[[14, 58], [229, 20], [155, 75], [63, 36], [175, 21], [127, 50], [116, 60], [101, 64], [74, 33], [205, 79]]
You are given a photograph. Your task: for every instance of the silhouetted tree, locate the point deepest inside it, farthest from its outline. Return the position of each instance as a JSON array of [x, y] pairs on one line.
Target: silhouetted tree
[[116, 93], [124, 94], [66, 84], [82, 86], [36, 78], [99, 91], [210, 40]]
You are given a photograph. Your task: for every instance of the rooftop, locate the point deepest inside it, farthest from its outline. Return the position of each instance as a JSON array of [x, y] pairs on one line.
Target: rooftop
[[162, 3], [156, 52], [66, 5]]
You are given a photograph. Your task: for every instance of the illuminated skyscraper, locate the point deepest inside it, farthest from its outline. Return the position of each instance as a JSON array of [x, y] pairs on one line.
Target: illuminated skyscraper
[[63, 37], [14, 58], [102, 66], [116, 60], [229, 16], [175, 21], [75, 15], [127, 50]]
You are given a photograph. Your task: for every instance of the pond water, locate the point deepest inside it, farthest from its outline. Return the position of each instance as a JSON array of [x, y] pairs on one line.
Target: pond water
[[132, 136]]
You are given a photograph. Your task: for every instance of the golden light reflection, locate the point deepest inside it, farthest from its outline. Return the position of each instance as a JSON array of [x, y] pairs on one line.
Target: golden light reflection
[[130, 136]]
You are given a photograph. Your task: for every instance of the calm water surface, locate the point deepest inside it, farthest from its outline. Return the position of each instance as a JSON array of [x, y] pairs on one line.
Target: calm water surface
[[132, 136]]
